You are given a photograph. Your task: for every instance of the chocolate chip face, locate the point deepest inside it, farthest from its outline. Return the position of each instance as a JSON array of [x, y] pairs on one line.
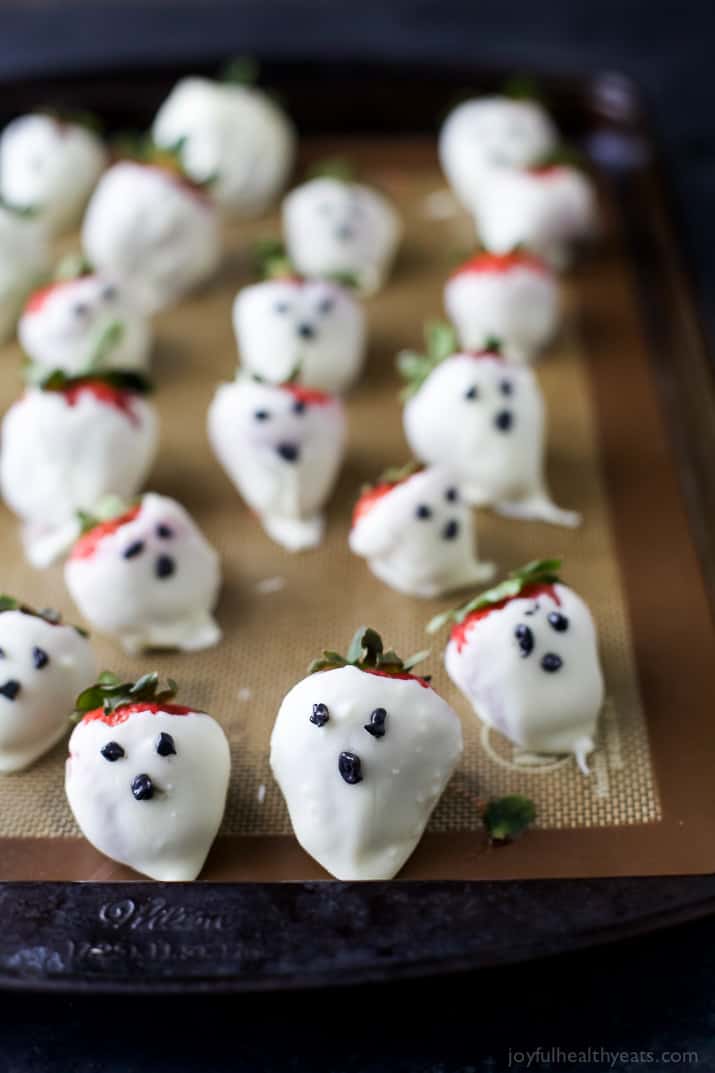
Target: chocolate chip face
[[451, 495], [299, 407], [261, 415], [112, 751], [164, 567], [451, 530], [326, 306], [142, 788], [281, 307], [40, 658], [289, 452], [558, 622], [506, 387], [423, 511], [165, 745], [377, 726], [320, 715], [10, 689], [504, 420], [472, 394], [551, 662], [306, 331], [525, 639], [164, 532], [134, 549], [350, 768]]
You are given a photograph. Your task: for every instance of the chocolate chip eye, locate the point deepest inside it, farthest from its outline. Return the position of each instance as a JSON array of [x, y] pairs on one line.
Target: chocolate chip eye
[[134, 549], [281, 307], [473, 392], [299, 407], [109, 293], [451, 495], [506, 387], [165, 745], [80, 309], [261, 415], [376, 726], [525, 639], [350, 768], [558, 622], [320, 715], [423, 511], [40, 658], [142, 788], [551, 662], [326, 306], [112, 751], [164, 532]]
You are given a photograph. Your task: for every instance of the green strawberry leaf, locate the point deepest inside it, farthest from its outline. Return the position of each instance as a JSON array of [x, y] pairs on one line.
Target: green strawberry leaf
[[73, 265], [366, 652], [270, 259], [536, 572], [414, 367], [110, 693], [241, 71], [505, 818], [58, 380], [332, 168]]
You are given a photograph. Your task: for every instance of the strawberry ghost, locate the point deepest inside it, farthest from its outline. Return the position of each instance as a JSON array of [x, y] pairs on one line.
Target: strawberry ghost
[[153, 231], [146, 778], [484, 419], [43, 665], [488, 135], [337, 228], [282, 446], [525, 655], [24, 260], [233, 135], [546, 208], [314, 329], [84, 325], [147, 576], [512, 296], [362, 750], [51, 165], [67, 443], [417, 533]]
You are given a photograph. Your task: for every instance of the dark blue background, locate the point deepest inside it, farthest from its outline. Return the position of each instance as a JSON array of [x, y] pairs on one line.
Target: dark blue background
[[651, 994]]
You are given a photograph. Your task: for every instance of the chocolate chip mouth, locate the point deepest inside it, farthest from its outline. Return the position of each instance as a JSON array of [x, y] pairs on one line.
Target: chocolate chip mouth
[[289, 452], [10, 689], [165, 567]]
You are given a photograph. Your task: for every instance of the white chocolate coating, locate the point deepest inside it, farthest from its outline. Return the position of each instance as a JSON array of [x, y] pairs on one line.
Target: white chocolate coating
[[152, 232], [283, 458], [233, 134], [60, 456], [64, 327], [168, 835], [333, 227], [485, 419], [314, 326], [160, 595], [419, 537], [544, 211], [490, 133], [365, 830], [45, 666], [51, 166], [24, 258], [519, 306], [542, 711]]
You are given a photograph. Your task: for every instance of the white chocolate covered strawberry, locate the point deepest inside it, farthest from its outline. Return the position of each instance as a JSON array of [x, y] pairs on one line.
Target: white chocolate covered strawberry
[[67, 443], [485, 420], [313, 329], [50, 165], [490, 134], [337, 228], [146, 778], [282, 446], [24, 260], [513, 297], [417, 534], [362, 750], [233, 135], [153, 231], [84, 325], [525, 654], [43, 665], [545, 208], [147, 576]]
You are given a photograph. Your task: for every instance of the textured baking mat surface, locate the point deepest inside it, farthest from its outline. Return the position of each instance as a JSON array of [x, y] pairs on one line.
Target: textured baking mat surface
[[278, 610]]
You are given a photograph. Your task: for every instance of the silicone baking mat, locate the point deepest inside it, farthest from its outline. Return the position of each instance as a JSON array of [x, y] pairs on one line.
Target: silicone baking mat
[[647, 807]]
